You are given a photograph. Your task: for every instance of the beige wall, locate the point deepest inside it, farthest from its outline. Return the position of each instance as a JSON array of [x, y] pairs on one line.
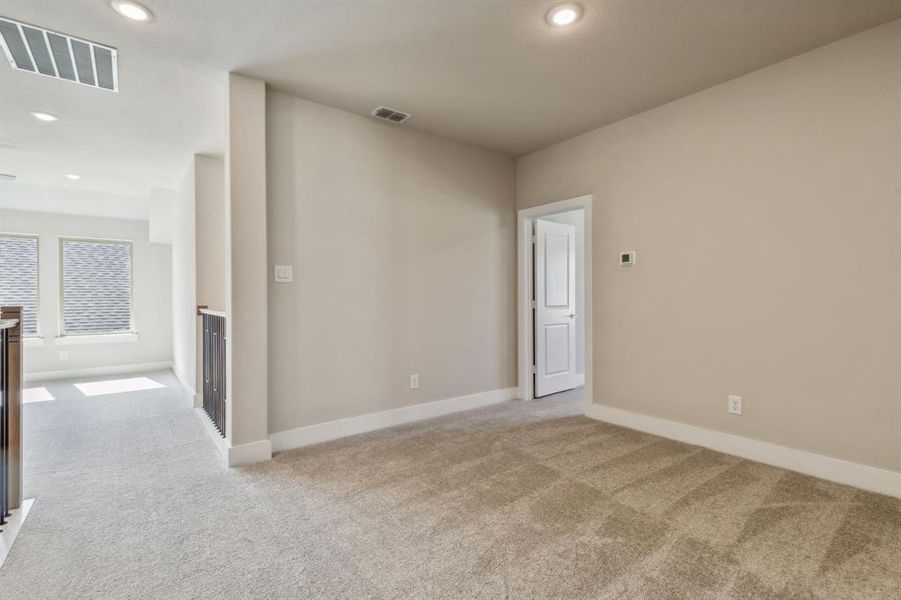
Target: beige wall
[[245, 188], [178, 226], [209, 209], [212, 264], [403, 246], [765, 213], [196, 228]]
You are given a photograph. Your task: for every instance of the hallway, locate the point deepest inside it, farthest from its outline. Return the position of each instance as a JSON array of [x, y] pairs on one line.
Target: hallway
[[120, 479], [109, 436]]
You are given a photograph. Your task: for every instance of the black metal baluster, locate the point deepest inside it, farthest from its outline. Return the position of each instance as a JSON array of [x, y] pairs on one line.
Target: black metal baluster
[[214, 370], [222, 387], [206, 364]]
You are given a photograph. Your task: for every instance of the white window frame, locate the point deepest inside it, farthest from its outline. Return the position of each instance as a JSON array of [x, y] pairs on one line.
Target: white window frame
[[37, 318], [87, 337]]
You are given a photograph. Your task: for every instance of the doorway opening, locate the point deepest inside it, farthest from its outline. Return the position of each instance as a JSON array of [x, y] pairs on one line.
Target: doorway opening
[[554, 291]]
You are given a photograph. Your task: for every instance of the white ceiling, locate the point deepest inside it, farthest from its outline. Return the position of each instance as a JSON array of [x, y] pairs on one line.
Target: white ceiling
[[490, 73]]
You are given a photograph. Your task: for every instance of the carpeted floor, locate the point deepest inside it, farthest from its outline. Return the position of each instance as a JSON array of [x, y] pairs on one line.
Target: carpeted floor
[[514, 501]]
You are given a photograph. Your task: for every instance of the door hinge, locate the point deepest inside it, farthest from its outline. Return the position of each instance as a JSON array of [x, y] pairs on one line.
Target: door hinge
[[534, 369], [534, 304], [534, 238]]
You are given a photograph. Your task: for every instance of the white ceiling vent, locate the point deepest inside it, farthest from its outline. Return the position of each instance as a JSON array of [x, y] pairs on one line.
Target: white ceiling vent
[[43, 52], [389, 114]]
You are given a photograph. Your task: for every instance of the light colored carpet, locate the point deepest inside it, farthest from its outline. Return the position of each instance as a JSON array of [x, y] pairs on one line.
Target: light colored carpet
[[514, 501]]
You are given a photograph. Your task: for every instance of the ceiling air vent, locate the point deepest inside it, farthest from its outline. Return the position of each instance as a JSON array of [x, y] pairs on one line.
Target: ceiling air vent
[[389, 114], [43, 52]]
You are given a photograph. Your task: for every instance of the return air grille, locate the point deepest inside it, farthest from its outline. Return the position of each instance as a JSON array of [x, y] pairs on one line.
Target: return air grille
[[43, 52], [389, 114]]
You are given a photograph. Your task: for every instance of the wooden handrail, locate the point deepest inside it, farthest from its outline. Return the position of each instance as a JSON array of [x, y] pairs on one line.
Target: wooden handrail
[[14, 385], [15, 356]]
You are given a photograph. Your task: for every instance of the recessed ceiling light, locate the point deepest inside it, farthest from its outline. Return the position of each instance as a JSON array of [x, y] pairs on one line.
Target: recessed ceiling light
[[564, 14], [132, 10], [46, 117], [73, 176]]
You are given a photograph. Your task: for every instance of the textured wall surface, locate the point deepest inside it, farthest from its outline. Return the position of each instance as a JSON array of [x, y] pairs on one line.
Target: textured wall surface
[[403, 246], [765, 215]]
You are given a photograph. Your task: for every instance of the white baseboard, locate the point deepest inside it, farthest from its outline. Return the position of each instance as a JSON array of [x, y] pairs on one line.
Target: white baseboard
[[324, 432], [245, 454], [198, 400], [580, 380], [242, 454], [221, 443], [96, 371], [862, 476]]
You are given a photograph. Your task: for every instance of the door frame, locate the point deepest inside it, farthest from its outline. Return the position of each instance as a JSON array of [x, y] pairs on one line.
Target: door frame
[[525, 325]]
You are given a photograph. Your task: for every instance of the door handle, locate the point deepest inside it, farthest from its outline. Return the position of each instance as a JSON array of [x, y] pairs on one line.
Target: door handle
[[572, 315]]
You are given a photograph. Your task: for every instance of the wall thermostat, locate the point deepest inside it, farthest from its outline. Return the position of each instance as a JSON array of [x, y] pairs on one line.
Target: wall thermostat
[[627, 259]]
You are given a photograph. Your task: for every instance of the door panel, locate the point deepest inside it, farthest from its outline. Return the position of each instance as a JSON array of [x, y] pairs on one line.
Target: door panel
[[556, 273], [555, 318], [556, 348]]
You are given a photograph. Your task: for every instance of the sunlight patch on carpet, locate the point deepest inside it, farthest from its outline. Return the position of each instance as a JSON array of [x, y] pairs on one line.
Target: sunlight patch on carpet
[[118, 386], [36, 394]]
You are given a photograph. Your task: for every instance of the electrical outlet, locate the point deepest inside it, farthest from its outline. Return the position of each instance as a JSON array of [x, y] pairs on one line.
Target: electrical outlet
[[734, 405], [63, 355], [414, 382]]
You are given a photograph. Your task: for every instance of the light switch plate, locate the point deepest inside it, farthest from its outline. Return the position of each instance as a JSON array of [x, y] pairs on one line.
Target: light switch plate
[[734, 405], [284, 273]]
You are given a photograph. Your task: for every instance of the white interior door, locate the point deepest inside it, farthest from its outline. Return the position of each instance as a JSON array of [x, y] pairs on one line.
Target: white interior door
[[555, 307]]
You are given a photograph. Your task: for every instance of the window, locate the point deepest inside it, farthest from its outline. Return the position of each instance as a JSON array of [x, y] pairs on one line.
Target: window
[[96, 286], [19, 278]]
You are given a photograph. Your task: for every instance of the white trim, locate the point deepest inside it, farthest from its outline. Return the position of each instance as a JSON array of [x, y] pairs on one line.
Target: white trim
[[523, 302], [11, 528], [32, 342], [817, 465], [215, 313], [242, 454], [93, 371], [220, 442], [99, 338], [580, 379], [332, 430], [246, 454]]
